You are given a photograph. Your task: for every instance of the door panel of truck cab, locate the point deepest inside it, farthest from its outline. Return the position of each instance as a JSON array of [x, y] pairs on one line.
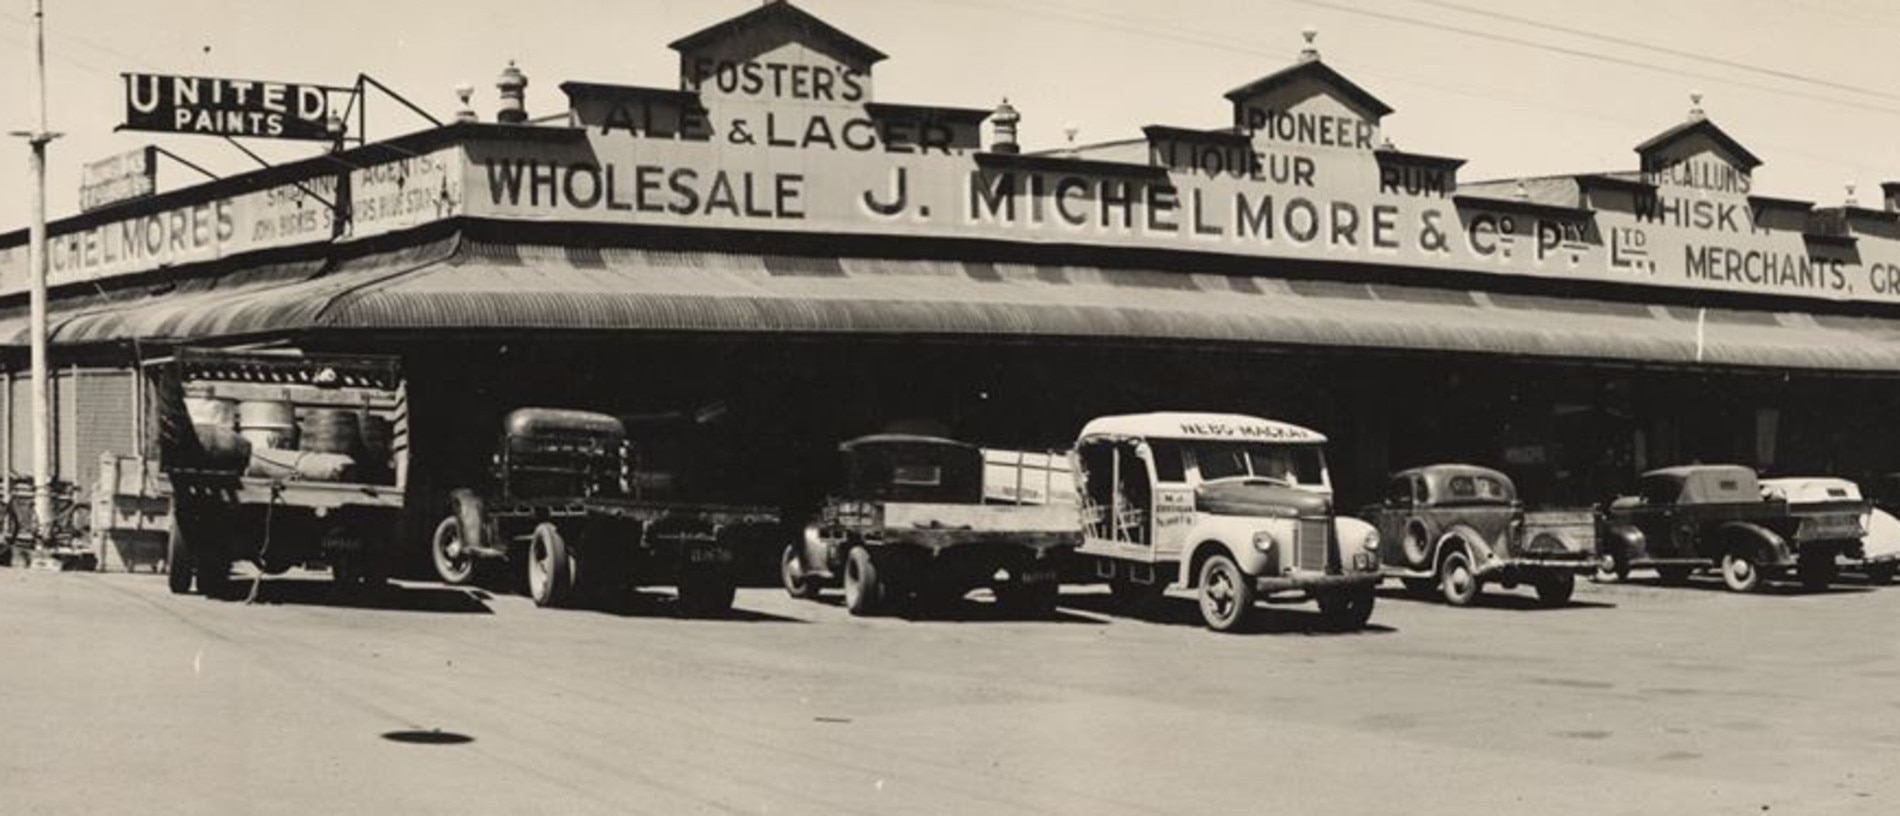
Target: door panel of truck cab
[[1174, 511]]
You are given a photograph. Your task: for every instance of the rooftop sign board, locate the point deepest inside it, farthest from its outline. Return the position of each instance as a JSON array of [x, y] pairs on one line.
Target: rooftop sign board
[[228, 107], [126, 176]]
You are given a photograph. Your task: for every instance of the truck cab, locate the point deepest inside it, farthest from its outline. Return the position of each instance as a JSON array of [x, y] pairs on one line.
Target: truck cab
[[1234, 508]]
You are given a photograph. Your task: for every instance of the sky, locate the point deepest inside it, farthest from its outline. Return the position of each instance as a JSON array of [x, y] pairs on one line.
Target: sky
[[1519, 88]]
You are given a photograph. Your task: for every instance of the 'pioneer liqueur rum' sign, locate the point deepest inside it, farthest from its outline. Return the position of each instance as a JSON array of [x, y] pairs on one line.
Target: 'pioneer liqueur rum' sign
[[228, 107]]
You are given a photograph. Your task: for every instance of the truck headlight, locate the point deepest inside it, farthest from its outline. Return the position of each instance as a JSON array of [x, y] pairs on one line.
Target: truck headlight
[[1371, 541], [1263, 541]]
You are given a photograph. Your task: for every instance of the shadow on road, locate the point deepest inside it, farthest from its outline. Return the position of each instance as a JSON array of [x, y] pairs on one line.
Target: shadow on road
[[300, 591], [1713, 583], [1265, 620], [1502, 599], [648, 604], [965, 609]]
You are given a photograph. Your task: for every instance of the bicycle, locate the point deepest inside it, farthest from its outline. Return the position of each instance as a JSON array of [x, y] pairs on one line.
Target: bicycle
[[71, 529]]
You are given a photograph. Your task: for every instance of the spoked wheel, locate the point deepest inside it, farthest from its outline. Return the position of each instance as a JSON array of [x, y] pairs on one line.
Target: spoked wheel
[[1740, 573], [1226, 594], [865, 591], [1349, 608], [1456, 580], [453, 562], [550, 569], [1555, 590], [791, 573]]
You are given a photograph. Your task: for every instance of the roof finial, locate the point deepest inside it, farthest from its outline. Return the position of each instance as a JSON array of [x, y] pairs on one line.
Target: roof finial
[[1309, 53], [1696, 113], [1523, 190], [1850, 195], [1004, 119]]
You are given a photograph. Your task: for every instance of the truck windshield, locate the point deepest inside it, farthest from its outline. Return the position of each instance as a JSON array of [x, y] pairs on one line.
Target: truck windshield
[[1286, 464]]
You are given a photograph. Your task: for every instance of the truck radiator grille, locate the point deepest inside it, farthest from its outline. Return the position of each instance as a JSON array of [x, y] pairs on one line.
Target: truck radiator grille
[[1314, 544]]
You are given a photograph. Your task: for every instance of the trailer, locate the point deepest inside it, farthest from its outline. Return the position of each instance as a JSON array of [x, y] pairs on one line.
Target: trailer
[[282, 459]]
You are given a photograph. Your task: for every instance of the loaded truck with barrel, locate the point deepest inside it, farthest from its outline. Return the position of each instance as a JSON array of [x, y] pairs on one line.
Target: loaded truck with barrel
[[1235, 509], [932, 518], [283, 459], [567, 507]]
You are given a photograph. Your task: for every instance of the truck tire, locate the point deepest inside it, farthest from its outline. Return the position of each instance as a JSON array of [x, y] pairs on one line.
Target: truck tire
[[1226, 594], [865, 591], [213, 568], [178, 561], [1456, 581], [1740, 573], [705, 591], [1037, 600], [1347, 609], [550, 570], [791, 573], [453, 564], [1818, 571], [1554, 590]]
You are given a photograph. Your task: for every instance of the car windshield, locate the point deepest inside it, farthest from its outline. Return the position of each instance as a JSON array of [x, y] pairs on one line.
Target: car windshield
[[1286, 464]]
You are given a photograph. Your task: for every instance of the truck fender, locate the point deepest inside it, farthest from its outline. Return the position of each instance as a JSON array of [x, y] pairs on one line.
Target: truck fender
[[1191, 566], [1462, 536], [1766, 545], [815, 552], [472, 514], [1622, 542]]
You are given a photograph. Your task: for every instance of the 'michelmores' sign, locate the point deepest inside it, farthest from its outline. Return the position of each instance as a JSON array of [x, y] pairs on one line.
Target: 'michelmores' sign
[[227, 107]]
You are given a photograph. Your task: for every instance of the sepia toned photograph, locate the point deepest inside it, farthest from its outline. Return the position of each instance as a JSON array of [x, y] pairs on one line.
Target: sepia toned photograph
[[950, 407]]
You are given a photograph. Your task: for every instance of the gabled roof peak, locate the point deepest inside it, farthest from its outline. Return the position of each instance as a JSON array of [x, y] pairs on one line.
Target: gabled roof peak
[[784, 13]]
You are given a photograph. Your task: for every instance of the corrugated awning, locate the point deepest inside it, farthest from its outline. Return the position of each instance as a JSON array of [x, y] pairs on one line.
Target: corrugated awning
[[516, 287]]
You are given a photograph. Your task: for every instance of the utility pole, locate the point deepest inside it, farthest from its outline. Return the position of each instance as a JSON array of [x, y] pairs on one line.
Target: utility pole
[[36, 252]]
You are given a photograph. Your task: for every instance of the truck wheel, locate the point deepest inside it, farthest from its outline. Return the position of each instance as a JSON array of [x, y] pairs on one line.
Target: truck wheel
[[453, 564], [1226, 594], [1881, 573], [1817, 572], [1672, 575], [213, 568], [705, 592], [1740, 572], [550, 572], [1029, 600], [1456, 581], [1347, 609], [1555, 590], [864, 589], [791, 573], [178, 561]]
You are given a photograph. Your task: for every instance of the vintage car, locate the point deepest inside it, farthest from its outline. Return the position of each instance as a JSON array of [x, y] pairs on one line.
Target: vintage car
[[924, 516], [1457, 527], [1233, 508], [1692, 517], [1876, 552]]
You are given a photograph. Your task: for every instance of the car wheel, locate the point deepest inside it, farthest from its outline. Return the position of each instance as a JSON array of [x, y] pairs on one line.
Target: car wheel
[[550, 571], [1456, 580], [1673, 575], [1740, 573], [453, 564], [1555, 590], [1347, 609], [1226, 594], [864, 588], [791, 573], [1817, 572], [1881, 573], [1417, 550]]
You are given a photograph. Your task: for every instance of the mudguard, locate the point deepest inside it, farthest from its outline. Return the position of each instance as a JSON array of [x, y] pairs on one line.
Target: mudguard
[[471, 513], [1474, 543], [1769, 546], [1623, 542]]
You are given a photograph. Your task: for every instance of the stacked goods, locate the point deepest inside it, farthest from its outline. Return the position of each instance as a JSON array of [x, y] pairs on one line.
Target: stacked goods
[[215, 422], [332, 430], [268, 423]]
